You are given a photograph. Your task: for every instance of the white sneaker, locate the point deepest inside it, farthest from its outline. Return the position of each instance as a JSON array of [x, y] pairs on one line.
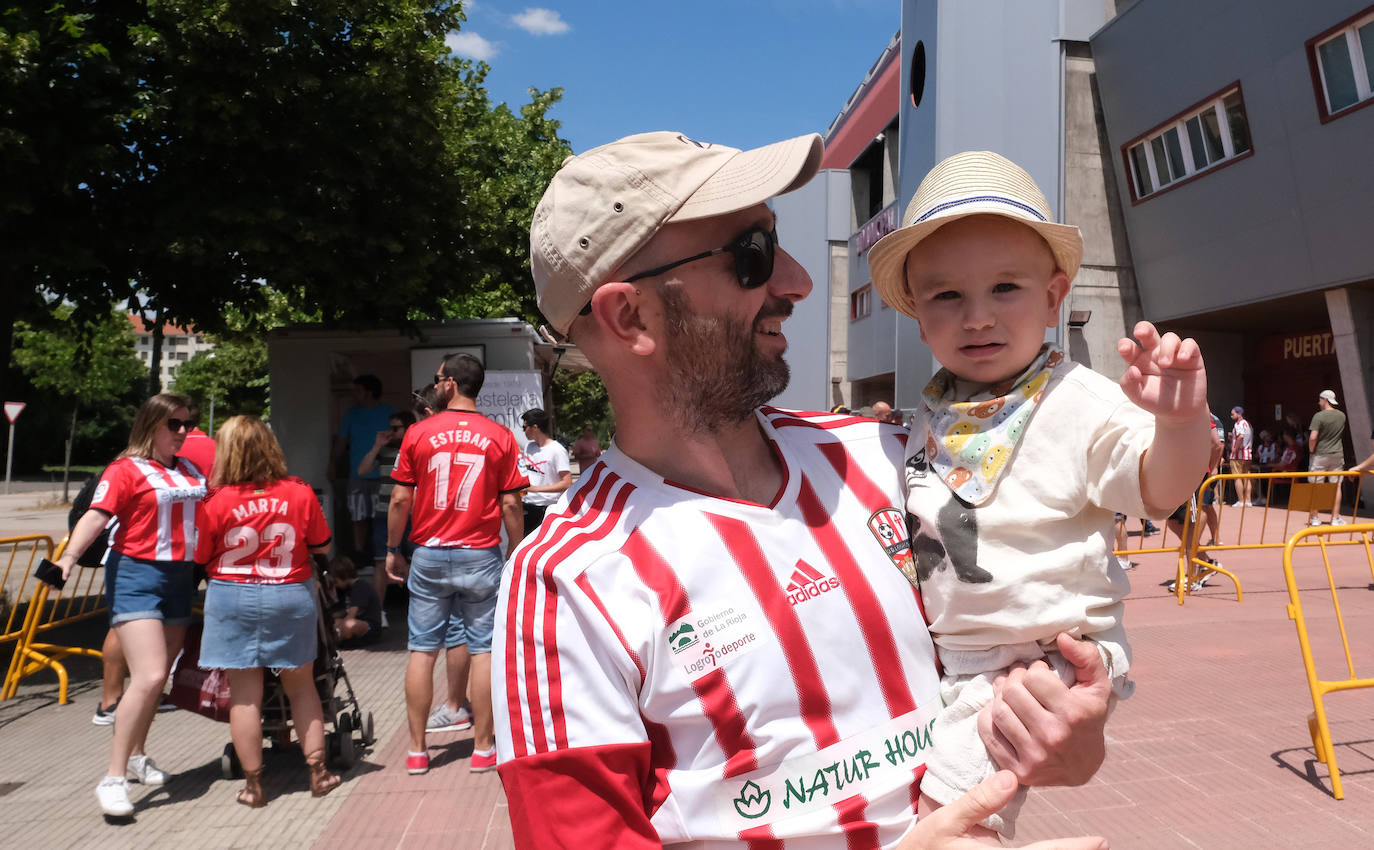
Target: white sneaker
[[1340, 520], [142, 769], [445, 719], [113, 794]]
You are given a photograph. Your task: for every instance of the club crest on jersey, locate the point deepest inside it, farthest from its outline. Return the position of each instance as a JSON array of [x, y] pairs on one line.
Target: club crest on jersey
[[889, 527]]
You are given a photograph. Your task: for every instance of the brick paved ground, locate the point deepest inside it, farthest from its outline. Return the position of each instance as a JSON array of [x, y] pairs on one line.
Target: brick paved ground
[[1212, 752]]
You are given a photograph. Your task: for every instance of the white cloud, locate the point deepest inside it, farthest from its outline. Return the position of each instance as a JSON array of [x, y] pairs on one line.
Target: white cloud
[[470, 45], [538, 21]]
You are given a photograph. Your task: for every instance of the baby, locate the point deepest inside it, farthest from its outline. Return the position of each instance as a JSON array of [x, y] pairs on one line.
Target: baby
[[1019, 457]]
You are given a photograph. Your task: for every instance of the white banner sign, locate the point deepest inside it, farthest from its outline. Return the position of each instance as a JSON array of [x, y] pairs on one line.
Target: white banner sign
[[506, 395]]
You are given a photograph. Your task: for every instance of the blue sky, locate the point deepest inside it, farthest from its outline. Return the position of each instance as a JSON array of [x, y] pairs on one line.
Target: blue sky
[[737, 72]]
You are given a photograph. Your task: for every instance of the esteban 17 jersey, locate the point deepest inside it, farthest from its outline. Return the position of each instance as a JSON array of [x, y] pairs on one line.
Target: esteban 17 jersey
[[459, 462], [677, 668]]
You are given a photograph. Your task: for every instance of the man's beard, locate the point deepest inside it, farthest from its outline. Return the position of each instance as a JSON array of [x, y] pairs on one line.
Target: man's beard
[[716, 375]]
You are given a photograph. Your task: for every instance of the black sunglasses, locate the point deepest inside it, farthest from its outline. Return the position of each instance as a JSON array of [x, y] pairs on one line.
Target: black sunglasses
[[174, 425], [439, 379], [753, 252]]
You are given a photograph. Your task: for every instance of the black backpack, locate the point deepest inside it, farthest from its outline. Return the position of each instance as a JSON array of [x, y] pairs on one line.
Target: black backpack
[[94, 556]]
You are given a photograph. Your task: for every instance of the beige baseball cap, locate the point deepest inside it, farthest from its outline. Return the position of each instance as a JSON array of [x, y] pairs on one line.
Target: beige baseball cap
[[1330, 396], [965, 184], [604, 205]]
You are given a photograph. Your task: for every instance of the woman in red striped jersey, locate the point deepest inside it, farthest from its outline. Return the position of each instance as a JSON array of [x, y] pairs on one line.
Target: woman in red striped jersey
[[149, 577], [255, 536]]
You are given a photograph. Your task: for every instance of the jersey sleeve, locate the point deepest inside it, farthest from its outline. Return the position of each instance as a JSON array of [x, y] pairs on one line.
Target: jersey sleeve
[[574, 749], [317, 531], [114, 490], [510, 478], [207, 532], [404, 471]]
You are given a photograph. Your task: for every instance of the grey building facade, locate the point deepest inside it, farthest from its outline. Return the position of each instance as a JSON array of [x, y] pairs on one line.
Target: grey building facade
[[1013, 76], [1240, 156]]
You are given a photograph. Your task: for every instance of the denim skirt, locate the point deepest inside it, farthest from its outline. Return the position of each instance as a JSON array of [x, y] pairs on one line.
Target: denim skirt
[[259, 625]]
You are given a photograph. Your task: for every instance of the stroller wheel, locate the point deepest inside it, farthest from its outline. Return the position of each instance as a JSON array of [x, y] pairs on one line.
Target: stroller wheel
[[343, 725], [229, 763], [368, 732]]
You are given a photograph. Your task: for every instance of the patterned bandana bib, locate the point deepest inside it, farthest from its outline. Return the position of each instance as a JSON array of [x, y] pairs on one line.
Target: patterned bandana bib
[[970, 443]]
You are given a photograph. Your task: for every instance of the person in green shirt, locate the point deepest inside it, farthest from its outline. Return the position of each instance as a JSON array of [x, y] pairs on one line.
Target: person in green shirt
[[1328, 454]]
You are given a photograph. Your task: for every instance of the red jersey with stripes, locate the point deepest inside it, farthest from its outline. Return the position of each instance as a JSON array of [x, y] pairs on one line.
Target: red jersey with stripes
[[155, 506], [677, 668], [459, 462], [260, 533]]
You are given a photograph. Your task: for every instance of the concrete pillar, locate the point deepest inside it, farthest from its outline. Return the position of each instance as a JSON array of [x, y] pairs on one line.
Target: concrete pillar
[[841, 392], [1352, 332]]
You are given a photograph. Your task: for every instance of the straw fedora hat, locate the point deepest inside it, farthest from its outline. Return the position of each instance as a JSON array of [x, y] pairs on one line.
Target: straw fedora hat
[[965, 184]]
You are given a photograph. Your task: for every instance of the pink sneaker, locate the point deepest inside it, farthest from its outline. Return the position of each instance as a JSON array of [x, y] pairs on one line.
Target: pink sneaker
[[417, 763], [482, 762]]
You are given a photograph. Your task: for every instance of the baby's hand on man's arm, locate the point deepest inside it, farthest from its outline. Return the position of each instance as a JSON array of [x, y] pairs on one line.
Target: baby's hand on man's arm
[[1165, 376]]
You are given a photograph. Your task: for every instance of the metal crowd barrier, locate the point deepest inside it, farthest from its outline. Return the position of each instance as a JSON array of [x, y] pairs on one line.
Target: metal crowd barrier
[[45, 609], [1262, 527], [1317, 724]]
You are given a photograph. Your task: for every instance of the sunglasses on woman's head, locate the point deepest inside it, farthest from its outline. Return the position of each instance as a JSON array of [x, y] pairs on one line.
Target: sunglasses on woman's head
[[753, 252], [174, 425]]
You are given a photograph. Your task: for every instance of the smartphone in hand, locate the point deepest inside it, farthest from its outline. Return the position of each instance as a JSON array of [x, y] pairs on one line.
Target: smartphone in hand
[[50, 574]]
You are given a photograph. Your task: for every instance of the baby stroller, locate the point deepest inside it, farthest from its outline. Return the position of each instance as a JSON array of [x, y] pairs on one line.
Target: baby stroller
[[194, 689]]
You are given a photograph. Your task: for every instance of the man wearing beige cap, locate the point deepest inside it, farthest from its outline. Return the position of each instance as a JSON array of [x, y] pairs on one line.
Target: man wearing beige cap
[[711, 638], [1324, 440]]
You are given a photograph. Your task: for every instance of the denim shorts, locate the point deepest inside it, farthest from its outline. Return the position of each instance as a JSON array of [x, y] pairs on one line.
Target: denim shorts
[[448, 585], [136, 589], [259, 625]]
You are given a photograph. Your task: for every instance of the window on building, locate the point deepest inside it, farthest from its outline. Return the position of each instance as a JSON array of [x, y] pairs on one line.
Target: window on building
[[1208, 134], [179, 355], [861, 302], [173, 341], [1342, 60]]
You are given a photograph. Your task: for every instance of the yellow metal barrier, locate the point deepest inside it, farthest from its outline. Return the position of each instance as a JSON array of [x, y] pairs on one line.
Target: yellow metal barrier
[[1317, 724], [1260, 527], [47, 609]]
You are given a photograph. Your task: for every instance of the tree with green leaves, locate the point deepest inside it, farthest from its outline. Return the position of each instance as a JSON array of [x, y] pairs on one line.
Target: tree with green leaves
[[180, 154], [578, 401], [89, 364], [228, 381], [68, 98]]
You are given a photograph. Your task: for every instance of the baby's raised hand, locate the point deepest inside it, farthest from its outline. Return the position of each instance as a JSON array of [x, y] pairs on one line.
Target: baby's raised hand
[[1164, 375]]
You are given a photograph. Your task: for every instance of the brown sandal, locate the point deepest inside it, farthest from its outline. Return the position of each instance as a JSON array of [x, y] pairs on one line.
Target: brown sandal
[[321, 780], [252, 795]]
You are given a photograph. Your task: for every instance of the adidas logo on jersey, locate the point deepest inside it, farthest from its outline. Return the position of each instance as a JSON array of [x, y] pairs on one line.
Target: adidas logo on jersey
[[808, 583]]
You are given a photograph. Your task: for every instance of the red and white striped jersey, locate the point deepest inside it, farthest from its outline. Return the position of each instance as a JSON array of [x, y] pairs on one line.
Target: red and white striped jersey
[[676, 668], [459, 462], [155, 505]]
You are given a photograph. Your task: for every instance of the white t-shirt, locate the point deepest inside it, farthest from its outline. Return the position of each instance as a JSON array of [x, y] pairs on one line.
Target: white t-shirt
[[673, 667], [1035, 559], [543, 465]]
